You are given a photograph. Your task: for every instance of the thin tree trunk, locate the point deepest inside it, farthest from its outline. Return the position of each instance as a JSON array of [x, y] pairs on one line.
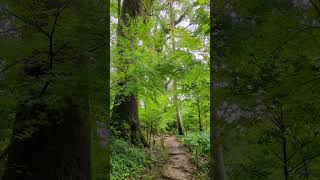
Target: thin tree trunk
[[178, 116], [285, 158], [150, 132], [199, 116], [284, 146], [154, 141], [306, 170]]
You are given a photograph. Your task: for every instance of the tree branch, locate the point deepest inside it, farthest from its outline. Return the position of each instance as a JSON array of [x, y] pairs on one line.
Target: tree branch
[[307, 161], [45, 87], [315, 6], [276, 154], [4, 153], [27, 21], [9, 66], [301, 146]]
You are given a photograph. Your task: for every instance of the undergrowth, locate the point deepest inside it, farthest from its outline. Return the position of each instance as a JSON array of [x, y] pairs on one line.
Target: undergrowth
[[129, 161], [199, 146]]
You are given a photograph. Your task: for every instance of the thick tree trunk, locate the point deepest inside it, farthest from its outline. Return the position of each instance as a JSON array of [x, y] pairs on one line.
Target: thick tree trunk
[[135, 132], [50, 143], [217, 169], [51, 131], [125, 114], [125, 110]]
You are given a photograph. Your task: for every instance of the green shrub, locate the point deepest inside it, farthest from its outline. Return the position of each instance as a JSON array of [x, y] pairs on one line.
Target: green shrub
[[199, 141], [128, 161], [199, 146]]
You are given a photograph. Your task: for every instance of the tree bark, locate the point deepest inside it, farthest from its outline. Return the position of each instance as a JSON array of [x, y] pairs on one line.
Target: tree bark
[[217, 169], [199, 116], [56, 146], [51, 132]]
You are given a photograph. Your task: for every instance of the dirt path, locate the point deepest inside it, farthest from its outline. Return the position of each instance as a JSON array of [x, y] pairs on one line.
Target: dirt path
[[179, 165]]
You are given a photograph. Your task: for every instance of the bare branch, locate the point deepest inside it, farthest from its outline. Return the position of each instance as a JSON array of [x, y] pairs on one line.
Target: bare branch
[[307, 161], [9, 66], [276, 154], [27, 21], [315, 6], [44, 88], [4, 153]]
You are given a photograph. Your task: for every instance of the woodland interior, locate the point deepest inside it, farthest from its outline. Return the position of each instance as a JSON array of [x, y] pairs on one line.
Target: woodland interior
[[159, 89]]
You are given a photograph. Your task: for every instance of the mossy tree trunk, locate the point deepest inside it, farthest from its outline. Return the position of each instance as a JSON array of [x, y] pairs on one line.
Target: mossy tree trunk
[[125, 109]]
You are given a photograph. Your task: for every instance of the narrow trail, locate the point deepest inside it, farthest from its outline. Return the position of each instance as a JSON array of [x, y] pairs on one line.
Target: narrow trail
[[179, 165]]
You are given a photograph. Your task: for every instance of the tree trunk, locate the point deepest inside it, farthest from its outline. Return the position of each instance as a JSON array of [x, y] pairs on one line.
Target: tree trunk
[[51, 131], [285, 158], [178, 116], [50, 143], [132, 112], [285, 161], [199, 116], [175, 94], [217, 169], [306, 169], [125, 110]]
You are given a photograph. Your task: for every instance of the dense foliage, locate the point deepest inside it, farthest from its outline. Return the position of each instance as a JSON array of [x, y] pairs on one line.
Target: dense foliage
[[162, 58], [199, 147], [267, 72], [53, 61], [264, 69]]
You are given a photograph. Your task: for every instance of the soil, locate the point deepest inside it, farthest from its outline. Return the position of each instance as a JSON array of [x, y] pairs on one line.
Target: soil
[[179, 165]]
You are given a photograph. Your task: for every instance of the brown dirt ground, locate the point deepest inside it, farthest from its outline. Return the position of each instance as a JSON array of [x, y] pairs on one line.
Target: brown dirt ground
[[179, 165]]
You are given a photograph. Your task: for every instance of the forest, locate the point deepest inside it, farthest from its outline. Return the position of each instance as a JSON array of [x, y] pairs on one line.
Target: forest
[[167, 89], [159, 87]]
